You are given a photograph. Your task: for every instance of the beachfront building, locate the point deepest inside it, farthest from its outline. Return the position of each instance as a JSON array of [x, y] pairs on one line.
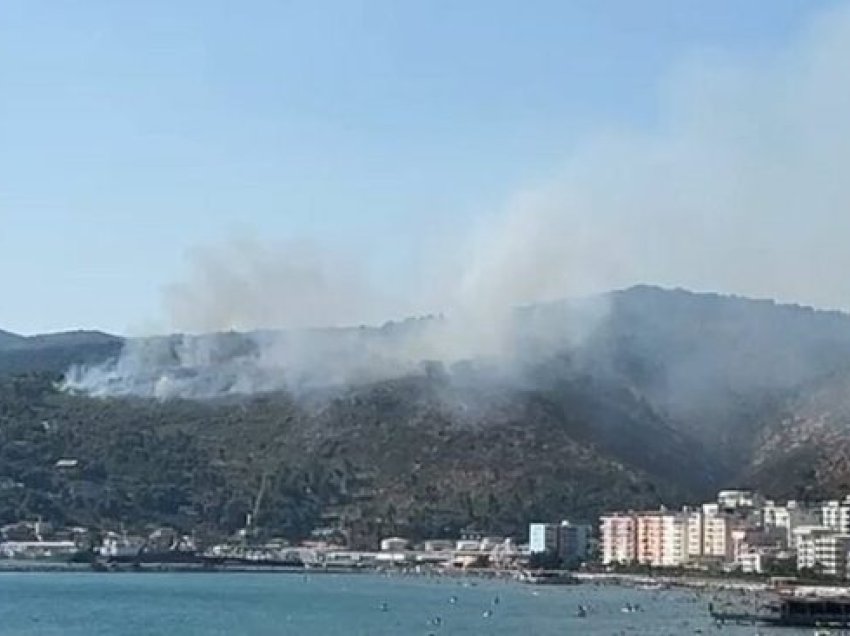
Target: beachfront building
[[695, 531], [617, 538], [37, 549], [574, 540], [542, 538], [394, 544], [831, 554], [822, 550], [438, 545], [717, 528], [566, 539], [835, 514], [662, 538], [658, 538]]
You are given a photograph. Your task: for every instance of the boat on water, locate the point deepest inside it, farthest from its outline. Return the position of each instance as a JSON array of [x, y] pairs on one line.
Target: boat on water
[[548, 577], [795, 611]]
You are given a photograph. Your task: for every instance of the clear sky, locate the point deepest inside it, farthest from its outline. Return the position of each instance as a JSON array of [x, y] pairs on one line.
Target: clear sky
[[131, 132]]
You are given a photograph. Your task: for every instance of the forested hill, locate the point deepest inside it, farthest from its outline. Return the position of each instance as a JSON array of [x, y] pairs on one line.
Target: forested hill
[[55, 352], [414, 455], [670, 395]]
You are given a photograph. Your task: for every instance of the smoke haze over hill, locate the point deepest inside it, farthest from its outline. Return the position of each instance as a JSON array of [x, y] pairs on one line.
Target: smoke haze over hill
[[740, 186]]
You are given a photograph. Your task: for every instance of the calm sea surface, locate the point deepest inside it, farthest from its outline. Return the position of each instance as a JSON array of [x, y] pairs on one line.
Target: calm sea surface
[[91, 604]]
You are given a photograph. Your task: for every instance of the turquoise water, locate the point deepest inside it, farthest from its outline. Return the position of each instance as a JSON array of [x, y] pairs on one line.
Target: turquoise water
[[153, 604]]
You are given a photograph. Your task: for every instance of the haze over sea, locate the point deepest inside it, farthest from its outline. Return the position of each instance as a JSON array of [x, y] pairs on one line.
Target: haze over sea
[[159, 604]]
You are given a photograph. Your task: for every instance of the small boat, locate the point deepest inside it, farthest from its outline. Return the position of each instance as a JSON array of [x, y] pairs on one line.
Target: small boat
[[545, 577]]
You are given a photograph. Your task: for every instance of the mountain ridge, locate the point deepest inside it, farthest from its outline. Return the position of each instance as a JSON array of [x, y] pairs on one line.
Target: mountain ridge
[[670, 395]]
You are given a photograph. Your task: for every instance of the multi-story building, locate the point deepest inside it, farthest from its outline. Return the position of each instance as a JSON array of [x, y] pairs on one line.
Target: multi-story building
[[831, 553], [835, 514], [567, 540], [617, 535], [717, 534], [695, 529], [656, 538], [788, 517], [574, 540], [822, 549], [662, 538], [542, 537]]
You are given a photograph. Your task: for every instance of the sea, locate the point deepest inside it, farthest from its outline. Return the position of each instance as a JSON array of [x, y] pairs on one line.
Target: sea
[[266, 604]]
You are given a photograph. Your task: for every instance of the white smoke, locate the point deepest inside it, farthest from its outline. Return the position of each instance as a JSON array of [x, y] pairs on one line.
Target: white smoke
[[742, 188], [245, 283]]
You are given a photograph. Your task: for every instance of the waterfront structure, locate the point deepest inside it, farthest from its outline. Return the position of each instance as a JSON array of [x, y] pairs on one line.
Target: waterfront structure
[[618, 538], [717, 534], [37, 549], [822, 550], [662, 538], [656, 538], [835, 514], [542, 538], [394, 544], [573, 540], [119, 546], [438, 545], [695, 533], [739, 530], [567, 540]]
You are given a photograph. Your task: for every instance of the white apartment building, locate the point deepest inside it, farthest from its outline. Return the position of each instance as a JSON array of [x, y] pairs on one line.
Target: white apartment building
[[751, 561], [695, 529], [822, 549], [835, 514], [662, 538], [656, 538], [717, 534], [617, 532], [831, 553], [788, 517], [542, 537]]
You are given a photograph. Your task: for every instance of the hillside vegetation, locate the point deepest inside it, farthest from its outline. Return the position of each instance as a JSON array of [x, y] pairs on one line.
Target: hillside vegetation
[[672, 395]]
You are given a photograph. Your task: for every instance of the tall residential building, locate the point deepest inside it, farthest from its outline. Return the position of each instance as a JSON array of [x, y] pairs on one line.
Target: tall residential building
[[835, 514], [567, 540], [662, 538], [831, 553], [695, 528], [542, 537], [717, 534], [574, 540], [822, 549], [617, 533]]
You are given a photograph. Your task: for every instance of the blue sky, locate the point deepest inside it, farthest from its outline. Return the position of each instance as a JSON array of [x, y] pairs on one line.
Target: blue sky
[[132, 132]]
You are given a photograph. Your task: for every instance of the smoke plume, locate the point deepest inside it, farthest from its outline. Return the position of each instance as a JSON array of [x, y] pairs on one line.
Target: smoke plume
[[740, 187]]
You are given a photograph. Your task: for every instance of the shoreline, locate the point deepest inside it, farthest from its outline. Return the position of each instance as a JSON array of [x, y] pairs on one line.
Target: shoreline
[[644, 582]]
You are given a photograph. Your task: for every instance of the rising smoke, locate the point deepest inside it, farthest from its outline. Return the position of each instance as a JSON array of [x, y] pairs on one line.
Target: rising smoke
[[741, 187]]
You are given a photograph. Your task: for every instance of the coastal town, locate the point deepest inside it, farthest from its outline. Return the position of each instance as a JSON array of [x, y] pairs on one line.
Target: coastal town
[[739, 533]]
